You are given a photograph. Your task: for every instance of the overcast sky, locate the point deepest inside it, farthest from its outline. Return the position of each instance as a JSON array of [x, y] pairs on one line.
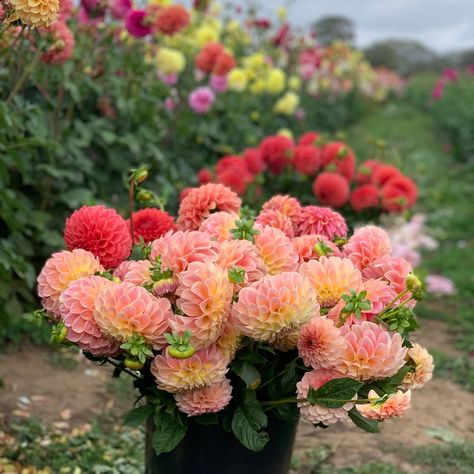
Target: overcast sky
[[443, 25]]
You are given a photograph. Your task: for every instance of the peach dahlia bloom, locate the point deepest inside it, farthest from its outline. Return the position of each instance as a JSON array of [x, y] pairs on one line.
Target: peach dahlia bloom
[[125, 309], [318, 413], [287, 341], [219, 225], [36, 13], [396, 404], [135, 271], [206, 367], [366, 245], [321, 220], [305, 247], [59, 271], [391, 269], [331, 277], [77, 304], [209, 399], [205, 297], [371, 352], [276, 250], [423, 373], [229, 340], [178, 249], [288, 206], [320, 343], [200, 202], [274, 306], [277, 220]]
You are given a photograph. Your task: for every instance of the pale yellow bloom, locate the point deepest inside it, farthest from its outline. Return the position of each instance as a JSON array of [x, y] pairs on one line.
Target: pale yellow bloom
[[258, 86], [35, 13], [287, 104], [282, 13], [170, 61], [237, 80], [286, 132], [207, 34], [294, 83], [276, 81]]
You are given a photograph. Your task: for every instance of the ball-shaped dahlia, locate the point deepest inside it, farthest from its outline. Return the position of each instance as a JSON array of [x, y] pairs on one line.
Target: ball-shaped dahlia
[[232, 171], [331, 277], [366, 245], [321, 220], [219, 225], [207, 57], [371, 352], [62, 43], [307, 159], [254, 160], [101, 231], [178, 249], [365, 171], [77, 304], [309, 138], [320, 343], [125, 309], [398, 194], [314, 246], [36, 13], [364, 197], [209, 399], [150, 224], [397, 404], [59, 271], [423, 373], [317, 413], [276, 152], [276, 250], [331, 189], [274, 306], [206, 367], [171, 19], [203, 201], [204, 297], [384, 173], [287, 205], [277, 220]]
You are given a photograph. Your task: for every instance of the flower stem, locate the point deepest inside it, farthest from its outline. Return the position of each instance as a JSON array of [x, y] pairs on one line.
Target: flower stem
[[118, 366], [279, 374]]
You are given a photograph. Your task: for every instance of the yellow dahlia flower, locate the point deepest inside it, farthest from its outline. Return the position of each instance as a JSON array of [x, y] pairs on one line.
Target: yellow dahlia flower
[[170, 61], [276, 81], [36, 12], [237, 80], [287, 104], [207, 34]]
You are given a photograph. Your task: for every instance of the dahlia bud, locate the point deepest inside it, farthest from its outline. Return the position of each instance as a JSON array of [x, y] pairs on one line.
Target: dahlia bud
[[322, 249], [237, 275], [144, 195], [343, 152], [133, 364], [255, 384], [180, 346], [414, 285], [58, 334], [139, 175], [340, 241]]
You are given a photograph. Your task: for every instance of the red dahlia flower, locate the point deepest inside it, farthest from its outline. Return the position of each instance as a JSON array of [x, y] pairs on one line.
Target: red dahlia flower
[[309, 138], [171, 19], [365, 171], [207, 57], [399, 194], [150, 224], [276, 152], [331, 189], [383, 173], [253, 158], [364, 197], [307, 159]]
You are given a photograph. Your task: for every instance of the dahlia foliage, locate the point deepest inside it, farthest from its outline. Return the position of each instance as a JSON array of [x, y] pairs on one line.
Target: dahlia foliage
[[318, 167], [227, 320]]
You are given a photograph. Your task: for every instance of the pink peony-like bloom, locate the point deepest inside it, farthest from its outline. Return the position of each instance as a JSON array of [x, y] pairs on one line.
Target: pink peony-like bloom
[[314, 246], [137, 23], [366, 245], [276, 250], [59, 271], [317, 413], [274, 306], [321, 220], [219, 225], [277, 220], [205, 297], [178, 249], [209, 399], [397, 404], [201, 99], [371, 352], [77, 304], [122, 269], [331, 277], [218, 83], [201, 202], [206, 367], [424, 367], [243, 254], [439, 285], [61, 42], [320, 343], [125, 309], [120, 8], [287, 205]]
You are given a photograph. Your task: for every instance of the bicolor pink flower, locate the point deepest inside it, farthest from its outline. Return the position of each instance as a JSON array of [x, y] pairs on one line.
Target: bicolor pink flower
[[366, 245], [206, 367], [59, 271], [317, 413], [219, 224], [321, 220], [314, 246], [423, 373], [210, 399], [397, 404], [201, 99], [287, 205]]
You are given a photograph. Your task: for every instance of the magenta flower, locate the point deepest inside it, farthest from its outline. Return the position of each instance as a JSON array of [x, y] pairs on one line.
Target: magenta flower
[[120, 8], [201, 100], [137, 24], [218, 83], [450, 74]]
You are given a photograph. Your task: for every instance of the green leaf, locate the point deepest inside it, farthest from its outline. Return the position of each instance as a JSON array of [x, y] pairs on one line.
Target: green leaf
[[169, 431], [139, 415], [335, 393], [371, 426], [247, 372], [243, 427]]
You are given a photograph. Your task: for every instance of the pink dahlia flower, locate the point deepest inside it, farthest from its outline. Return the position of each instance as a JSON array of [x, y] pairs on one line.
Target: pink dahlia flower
[[77, 304], [314, 246], [62, 43], [138, 23], [120, 8], [205, 297], [201, 202], [206, 367], [371, 352], [331, 277], [58, 273], [396, 404], [218, 83], [320, 343], [178, 249], [209, 399], [219, 225], [423, 373], [288, 206], [125, 309], [275, 306], [201, 99], [440, 285], [321, 220], [367, 244], [276, 250], [317, 413], [277, 220], [123, 268]]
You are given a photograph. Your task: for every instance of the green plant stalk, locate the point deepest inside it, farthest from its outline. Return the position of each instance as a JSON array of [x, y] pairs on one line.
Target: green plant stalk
[[279, 374]]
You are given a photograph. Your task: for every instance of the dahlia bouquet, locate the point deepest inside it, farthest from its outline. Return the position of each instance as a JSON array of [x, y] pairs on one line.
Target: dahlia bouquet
[[227, 320], [318, 171]]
